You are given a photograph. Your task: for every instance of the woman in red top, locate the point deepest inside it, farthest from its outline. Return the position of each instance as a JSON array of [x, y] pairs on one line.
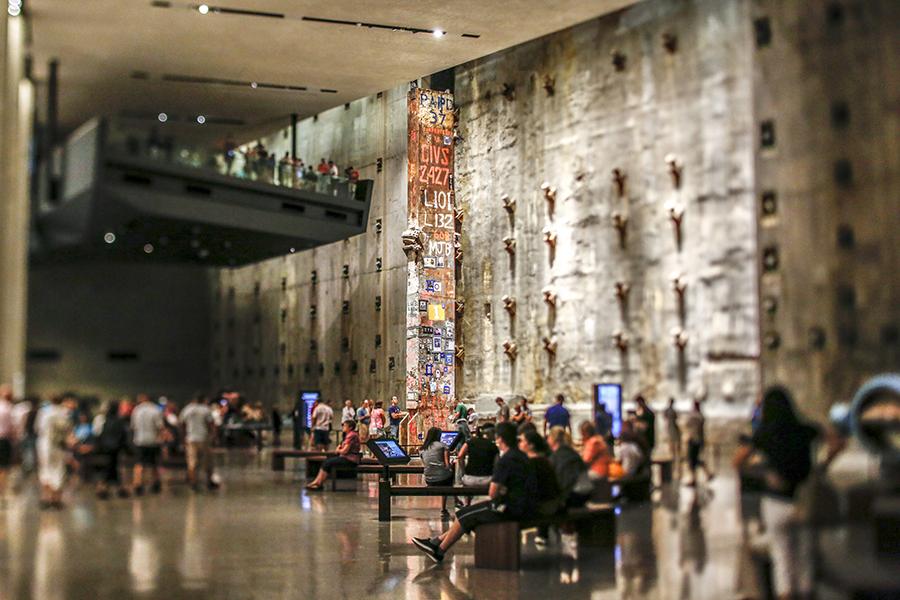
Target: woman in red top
[[348, 456], [594, 451]]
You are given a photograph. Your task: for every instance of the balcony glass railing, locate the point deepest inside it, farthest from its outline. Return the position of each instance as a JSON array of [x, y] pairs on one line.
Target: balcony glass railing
[[248, 164]]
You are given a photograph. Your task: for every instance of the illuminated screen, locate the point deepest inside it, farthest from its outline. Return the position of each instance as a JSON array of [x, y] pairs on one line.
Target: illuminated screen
[[609, 395], [309, 400], [448, 438], [390, 449]]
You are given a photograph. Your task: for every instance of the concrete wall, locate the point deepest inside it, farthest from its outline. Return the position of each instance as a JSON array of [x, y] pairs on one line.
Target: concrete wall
[[695, 103], [83, 312], [826, 96], [693, 86], [262, 323]]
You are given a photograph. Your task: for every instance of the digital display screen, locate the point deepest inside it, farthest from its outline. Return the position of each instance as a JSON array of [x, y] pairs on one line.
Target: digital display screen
[[608, 396], [449, 438], [309, 400], [388, 452], [390, 449]]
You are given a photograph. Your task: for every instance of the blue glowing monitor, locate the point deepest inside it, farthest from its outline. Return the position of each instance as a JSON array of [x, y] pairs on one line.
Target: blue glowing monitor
[[608, 396], [309, 400]]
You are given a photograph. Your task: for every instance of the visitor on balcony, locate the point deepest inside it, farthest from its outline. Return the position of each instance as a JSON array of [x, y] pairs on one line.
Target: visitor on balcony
[[286, 170]]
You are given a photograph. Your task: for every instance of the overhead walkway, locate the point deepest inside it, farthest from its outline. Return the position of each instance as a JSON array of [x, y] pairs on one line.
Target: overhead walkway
[[114, 203]]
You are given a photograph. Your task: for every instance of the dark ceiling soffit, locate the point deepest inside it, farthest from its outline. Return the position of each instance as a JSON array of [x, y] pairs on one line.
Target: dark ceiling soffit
[[210, 120], [177, 78], [245, 12], [344, 22]]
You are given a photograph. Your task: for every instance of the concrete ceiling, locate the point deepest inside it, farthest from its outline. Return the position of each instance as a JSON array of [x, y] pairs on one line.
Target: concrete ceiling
[[114, 54]]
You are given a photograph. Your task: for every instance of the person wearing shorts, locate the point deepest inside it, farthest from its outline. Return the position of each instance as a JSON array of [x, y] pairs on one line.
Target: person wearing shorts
[[146, 425], [512, 492], [322, 416], [197, 420]]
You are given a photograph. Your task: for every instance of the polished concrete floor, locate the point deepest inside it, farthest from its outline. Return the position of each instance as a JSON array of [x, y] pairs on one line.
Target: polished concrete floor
[[263, 536]]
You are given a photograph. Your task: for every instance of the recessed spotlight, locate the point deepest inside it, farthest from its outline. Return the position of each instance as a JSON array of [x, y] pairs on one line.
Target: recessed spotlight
[[148, 248], [293, 250], [204, 253], [201, 119], [438, 33], [109, 237], [203, 9], [254, 85], [163, 117]]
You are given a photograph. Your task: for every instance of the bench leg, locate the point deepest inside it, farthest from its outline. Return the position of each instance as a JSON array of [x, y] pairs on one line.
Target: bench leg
[[498, 546], [277, 462], [598, 531], [384, 498]]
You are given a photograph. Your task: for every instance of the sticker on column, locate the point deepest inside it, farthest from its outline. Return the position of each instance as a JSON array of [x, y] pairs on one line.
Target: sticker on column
[[431, 262], [423, 306], [437, 344], [436, 312], [429, 369]]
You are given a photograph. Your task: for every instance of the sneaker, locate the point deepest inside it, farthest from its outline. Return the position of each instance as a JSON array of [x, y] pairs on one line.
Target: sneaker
[[540, 541], [212, 485], [429, 548], [138, 490], [123, 493], [103, 494], [156, 487]]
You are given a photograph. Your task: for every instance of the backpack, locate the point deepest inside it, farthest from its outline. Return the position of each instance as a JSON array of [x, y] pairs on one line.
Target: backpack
[[111, 437]]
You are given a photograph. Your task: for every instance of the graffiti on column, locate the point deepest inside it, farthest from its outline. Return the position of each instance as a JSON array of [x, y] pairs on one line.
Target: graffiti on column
[[428, 243]]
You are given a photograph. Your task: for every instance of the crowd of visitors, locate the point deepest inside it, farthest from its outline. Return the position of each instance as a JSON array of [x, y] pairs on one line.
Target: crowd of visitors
[[260, 164], [72, 439]]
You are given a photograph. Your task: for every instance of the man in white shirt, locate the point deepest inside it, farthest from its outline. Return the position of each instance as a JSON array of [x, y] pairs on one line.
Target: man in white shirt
[[348, 413], [146, 426], [322, 416], [197, 421]]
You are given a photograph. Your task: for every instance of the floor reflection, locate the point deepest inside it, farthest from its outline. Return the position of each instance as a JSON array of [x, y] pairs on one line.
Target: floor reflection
[[263, 537]]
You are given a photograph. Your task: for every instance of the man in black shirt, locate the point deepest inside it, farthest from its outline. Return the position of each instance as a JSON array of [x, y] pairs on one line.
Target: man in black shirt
[[512, 492]]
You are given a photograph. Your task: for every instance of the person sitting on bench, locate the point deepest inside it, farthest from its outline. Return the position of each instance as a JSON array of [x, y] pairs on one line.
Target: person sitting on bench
[[571, 471], [549, 497], [348, 456], [512, 492], [476, 458], [436, 460]]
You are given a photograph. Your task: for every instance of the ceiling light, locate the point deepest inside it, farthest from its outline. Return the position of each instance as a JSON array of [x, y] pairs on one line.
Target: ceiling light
[[148, 248], [438, 33], [254, 85], [109, 237], [203, 9], [201, 119], [163, 117], [293, 250]]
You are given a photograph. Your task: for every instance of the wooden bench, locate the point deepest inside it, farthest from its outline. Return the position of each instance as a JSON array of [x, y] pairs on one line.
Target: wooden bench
[[280, 454], [499, 545], [386, 491]]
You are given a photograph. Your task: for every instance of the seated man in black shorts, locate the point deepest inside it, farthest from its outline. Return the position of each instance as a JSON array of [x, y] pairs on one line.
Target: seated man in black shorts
[[512, 491], [348, 456]]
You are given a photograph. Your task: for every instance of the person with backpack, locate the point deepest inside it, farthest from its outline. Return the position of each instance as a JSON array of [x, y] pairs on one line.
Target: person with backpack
[[112, 441]]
